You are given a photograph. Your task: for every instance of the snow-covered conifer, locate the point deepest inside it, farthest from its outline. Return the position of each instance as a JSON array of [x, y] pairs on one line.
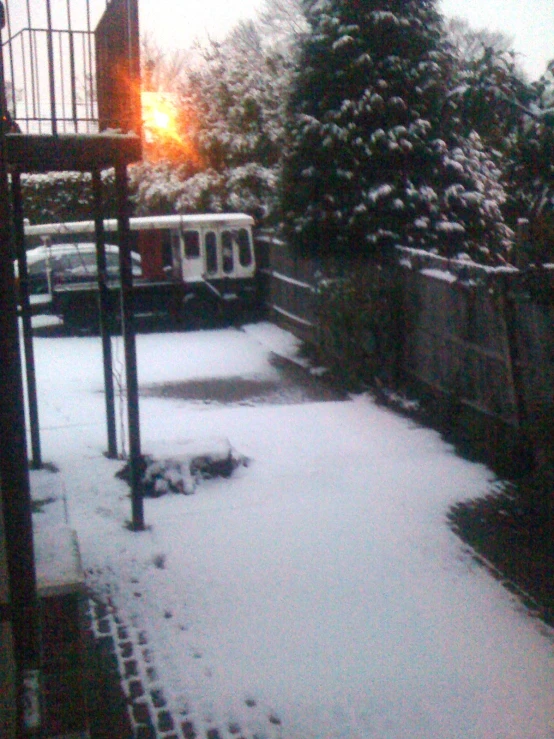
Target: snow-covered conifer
[[369, 163], [359, 152]]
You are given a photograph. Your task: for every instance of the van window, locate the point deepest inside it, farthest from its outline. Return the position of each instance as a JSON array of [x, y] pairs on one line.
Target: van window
[[167, 260], [192, 244], [245, 249], [210, 243], [38, 267], [227, 251], [176, 254], [77, 264]]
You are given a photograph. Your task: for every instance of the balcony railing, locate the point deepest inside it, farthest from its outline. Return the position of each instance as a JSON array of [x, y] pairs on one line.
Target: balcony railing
[[52, 81], [62, 80]]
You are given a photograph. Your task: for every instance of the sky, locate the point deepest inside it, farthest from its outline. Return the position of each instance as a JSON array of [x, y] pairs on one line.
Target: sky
[[530, 22], [175, 24]]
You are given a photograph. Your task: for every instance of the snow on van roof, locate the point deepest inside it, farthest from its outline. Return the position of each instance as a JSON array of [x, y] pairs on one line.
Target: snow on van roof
[[145, 222]]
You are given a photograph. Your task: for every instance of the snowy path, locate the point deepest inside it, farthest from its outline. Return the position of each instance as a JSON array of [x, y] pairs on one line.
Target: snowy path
[[318, 592]]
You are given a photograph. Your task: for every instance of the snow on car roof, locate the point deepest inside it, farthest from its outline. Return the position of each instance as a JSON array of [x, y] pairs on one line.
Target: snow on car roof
[[55, 250]]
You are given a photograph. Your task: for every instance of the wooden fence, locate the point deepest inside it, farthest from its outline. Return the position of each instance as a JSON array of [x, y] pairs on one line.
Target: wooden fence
[[478, 341], [289, 285]]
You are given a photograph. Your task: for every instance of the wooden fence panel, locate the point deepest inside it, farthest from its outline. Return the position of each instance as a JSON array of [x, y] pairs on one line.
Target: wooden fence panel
[[291, 295], [457, 344], [480, 338]]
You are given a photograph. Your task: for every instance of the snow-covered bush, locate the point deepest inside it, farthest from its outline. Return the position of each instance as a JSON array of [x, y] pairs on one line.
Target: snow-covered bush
[[469, 203], [155, 187], [182, 472], [63, 196]]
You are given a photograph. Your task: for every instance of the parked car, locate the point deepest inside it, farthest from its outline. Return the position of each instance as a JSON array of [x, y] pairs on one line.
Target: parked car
[[61, 264], [187, 268]]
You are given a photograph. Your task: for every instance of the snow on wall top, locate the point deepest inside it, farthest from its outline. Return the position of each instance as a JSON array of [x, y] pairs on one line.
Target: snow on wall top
[[58, 562], [145, 222], [427, 262]]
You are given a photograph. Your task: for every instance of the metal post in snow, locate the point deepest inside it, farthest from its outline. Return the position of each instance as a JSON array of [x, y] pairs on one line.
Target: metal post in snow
[[104, 314], [19, 232], [128, 330]]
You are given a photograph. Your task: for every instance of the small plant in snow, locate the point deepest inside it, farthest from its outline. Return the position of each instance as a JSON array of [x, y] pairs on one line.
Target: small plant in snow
[[182, 473]]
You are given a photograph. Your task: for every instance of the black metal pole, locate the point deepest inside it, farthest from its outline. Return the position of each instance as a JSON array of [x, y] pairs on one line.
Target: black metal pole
[[128, 330], [72, 68], [32, 402], [14, 472], [12, 71], [51, 78], [104, 313]]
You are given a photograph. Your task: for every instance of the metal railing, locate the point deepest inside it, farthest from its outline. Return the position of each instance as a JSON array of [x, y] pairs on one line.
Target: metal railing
[[63, 77], [52, 84]]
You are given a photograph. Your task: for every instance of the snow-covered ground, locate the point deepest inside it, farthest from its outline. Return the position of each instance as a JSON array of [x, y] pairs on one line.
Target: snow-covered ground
[[316, 593]]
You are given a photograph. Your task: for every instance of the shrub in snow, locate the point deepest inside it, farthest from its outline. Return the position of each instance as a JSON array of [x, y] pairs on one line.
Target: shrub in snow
[[469, 203], [181, 473], [63, 196], [156, 186]]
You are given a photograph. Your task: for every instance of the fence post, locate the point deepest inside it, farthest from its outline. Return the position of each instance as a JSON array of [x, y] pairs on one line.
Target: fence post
[[516, 376]]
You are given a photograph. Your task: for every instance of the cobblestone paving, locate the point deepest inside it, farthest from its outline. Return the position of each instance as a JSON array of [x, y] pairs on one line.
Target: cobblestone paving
[[125, 647]]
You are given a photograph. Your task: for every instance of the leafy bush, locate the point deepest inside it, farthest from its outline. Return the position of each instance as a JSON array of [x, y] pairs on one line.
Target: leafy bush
[[64, 196]]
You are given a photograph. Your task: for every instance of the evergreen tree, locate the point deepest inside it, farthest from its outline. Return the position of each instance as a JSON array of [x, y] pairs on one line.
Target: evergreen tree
[[486, 91], [359, 156], [237, 95], [365, 166]]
